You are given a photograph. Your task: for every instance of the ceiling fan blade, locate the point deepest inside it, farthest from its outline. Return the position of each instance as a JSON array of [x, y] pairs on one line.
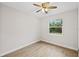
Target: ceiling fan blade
[[52, 7], [37, 5], [45, 11], [38, 10]]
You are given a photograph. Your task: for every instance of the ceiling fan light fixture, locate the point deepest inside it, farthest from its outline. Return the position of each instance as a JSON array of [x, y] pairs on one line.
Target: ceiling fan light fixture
[[42, 9], [46, 9]]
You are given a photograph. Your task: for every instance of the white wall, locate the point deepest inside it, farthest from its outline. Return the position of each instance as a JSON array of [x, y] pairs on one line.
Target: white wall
[[69, 37], [18, 29], [0, 28], [78, 26]]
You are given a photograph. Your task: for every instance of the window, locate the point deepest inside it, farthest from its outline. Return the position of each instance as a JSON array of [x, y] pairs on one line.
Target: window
[[55, 26]]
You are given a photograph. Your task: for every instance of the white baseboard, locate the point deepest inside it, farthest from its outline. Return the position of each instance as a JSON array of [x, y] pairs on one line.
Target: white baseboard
[[15, 49], [60, 45]]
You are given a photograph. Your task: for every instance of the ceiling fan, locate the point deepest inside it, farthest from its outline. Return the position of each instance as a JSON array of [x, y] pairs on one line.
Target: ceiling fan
[[45, 7]]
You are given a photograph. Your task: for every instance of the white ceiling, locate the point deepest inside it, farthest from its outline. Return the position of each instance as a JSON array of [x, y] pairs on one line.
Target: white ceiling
[[28, 7]]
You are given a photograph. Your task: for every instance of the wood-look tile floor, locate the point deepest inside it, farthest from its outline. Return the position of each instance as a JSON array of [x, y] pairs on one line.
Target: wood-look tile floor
[[78, 53], [42, 49]]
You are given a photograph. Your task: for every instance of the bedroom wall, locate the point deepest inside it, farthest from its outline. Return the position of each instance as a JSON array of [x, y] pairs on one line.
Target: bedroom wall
[[18, 29], [78, 26], [0, 28], [69, 37]]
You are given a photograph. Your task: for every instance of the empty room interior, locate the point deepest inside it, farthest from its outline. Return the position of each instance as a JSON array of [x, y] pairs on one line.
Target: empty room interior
[[39, 29]]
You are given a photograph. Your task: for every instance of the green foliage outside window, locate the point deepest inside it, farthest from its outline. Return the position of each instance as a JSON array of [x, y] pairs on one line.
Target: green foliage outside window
[[55, 26]]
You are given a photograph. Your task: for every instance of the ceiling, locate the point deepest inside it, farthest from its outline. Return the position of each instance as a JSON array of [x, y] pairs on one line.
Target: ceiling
[[27, 7]]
